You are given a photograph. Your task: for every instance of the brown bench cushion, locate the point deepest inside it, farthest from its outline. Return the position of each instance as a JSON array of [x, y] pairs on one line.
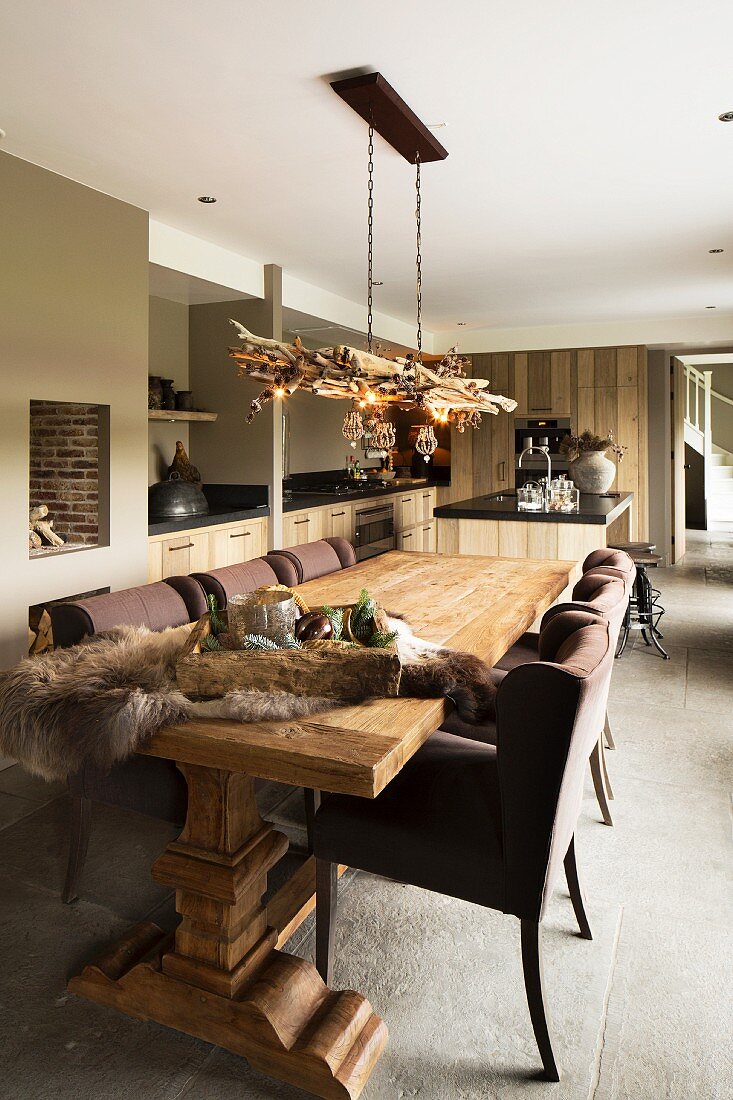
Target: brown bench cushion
[[229, 581], [156, 606], [311, 560]]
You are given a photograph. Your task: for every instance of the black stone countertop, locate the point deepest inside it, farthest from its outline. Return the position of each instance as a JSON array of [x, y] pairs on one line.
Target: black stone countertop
[[603, 509], [298, 502], [216, 515]]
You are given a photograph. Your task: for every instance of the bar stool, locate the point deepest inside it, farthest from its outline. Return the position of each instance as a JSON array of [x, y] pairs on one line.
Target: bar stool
[[644, 607]]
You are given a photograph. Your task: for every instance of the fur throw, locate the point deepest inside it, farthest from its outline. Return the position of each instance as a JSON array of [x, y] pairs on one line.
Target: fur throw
[[99, 701]]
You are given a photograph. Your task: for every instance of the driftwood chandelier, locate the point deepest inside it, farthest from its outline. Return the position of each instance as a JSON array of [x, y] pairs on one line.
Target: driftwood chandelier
[[373, 383]]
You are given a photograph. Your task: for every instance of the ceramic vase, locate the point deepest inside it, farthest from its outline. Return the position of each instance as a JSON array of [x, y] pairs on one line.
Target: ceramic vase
[[592, 472]]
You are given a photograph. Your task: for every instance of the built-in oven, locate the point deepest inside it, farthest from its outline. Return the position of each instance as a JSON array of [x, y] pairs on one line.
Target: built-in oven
[[547, 432], [373, 530]]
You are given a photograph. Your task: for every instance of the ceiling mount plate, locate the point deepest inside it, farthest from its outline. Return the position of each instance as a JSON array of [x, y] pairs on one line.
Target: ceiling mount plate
[[398, 125]]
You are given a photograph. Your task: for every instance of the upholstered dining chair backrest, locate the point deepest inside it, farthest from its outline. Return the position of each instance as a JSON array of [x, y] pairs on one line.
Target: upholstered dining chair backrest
[[599, 593], [549, 717], [156, 606], [607, 558], [312, 559], [246, 576]]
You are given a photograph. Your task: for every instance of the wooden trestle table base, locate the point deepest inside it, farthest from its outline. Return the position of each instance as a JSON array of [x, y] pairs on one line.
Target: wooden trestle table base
[[222, 976]]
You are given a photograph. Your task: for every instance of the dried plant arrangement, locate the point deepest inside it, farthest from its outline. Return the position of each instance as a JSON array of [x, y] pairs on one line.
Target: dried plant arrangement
[[576, 445]]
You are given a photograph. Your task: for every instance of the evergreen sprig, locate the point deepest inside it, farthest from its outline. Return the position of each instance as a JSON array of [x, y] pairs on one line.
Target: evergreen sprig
[[217, 625], [291, 642], [335, 615], [258, 642], [211, 642], [363, 615], [380, 640]]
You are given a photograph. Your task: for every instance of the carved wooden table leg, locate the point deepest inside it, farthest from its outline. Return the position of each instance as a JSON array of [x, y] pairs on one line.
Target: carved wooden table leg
[[221, 978]]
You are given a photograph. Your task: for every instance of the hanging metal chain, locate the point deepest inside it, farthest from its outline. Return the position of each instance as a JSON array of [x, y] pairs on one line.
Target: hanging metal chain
[[370, 234], [418, 258]]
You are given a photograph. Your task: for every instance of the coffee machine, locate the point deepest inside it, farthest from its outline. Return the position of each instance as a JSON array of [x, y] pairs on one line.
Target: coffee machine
[[546, 431]]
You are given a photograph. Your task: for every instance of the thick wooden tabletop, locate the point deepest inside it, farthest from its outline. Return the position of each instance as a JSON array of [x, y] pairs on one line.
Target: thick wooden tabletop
[[477, 604]]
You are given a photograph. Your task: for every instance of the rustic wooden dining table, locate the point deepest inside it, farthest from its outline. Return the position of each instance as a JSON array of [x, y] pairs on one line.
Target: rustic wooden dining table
[[222, 974]]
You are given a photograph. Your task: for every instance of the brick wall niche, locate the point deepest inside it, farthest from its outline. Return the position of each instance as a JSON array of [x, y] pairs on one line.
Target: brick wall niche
[[68, 461]]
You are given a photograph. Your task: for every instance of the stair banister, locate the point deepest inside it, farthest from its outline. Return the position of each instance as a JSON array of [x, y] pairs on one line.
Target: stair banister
[[708, 436]]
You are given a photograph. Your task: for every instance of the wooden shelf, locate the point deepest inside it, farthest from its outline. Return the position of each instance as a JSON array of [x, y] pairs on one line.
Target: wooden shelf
[[179, 414]]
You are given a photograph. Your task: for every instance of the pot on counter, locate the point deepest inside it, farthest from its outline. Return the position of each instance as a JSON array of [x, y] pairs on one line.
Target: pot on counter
[[175, 499]]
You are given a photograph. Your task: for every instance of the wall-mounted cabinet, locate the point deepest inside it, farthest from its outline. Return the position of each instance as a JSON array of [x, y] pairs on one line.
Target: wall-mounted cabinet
[[541, 383]]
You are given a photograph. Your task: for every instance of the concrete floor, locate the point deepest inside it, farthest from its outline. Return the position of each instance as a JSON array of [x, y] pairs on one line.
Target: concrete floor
[[642, 1012]]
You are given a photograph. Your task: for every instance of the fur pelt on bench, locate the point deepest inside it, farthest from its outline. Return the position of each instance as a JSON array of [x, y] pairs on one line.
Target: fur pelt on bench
[[99, 701]]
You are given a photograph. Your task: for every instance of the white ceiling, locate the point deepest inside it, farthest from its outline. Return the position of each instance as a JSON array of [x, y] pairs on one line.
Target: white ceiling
[[588, 175]]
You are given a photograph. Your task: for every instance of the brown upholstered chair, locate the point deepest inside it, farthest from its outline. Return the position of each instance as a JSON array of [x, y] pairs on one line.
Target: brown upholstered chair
[[491, 824], [604, 593], [311, 560], [145, 784]]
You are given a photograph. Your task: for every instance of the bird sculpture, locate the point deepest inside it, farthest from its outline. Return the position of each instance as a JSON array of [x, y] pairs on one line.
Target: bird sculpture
[[183, 467]]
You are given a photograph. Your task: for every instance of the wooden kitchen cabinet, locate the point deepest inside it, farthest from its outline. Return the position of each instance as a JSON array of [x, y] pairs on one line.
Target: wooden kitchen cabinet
[[405, 511], [406, 540], [232, 545], [338, 522], [542, 383], [427, 537], [205, 548], [305, 526], [188, 553], [599, 389], [425, 502]]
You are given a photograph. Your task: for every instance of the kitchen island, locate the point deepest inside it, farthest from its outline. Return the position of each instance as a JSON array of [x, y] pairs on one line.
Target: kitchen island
[[494, 525]]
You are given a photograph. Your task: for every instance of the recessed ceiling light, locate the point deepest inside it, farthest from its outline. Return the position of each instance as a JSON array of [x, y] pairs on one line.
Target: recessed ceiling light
[[461, 323], [715, 251], [377, 282], [710, 307], [206, 198], [727, 116]]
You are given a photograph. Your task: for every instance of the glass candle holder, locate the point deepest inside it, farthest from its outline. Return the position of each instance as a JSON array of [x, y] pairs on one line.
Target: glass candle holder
[[270, 614], [529, 498]]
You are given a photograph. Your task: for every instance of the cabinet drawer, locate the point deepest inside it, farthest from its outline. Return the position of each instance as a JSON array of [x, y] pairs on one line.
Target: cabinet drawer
[[405, 511], [299, 527], [427, 538], [339, 521], [425, 504], [185, 554], [235, 544], [407, 540]]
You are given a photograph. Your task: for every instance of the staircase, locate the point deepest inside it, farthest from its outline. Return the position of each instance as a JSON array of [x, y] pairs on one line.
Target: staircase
[[720, 488]]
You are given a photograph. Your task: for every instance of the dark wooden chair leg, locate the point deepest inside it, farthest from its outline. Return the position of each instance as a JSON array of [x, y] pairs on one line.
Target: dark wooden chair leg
[[326, 904], [534, 986], [610, 743], [80, 827], [576, 892], [312, 802], [596, 771]]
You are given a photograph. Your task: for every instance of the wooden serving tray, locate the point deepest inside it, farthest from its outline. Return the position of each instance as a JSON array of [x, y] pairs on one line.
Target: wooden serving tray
[[320, 668]]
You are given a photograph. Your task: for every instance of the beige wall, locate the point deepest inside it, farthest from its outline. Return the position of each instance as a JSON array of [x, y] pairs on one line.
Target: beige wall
[[228, 451], [168, 357], [73, 327]]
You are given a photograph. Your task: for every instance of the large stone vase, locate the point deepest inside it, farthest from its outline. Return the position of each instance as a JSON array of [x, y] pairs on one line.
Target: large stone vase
[[592, 472]]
